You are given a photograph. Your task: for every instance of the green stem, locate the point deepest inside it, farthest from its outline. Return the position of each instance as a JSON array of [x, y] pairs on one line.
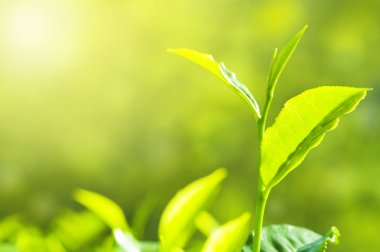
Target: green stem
[[260, 198], [262, 192], [263, 121], [261, 201]]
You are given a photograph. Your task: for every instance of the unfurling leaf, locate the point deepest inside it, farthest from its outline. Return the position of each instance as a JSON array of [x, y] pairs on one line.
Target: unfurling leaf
[[220, 70], [281, 238], [280, 61], [301, 125], [178, 219], [230, 237]]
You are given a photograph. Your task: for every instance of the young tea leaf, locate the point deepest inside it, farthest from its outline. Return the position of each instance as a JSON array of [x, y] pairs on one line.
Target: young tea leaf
[[220, 70], [301, 126], [142, 214], [106, 209], [280, 61], [178, 219], [230, 237], [280, 238]]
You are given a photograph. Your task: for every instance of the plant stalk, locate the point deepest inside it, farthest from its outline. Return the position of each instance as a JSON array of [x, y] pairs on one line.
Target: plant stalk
[[262, 193], [261, 201]]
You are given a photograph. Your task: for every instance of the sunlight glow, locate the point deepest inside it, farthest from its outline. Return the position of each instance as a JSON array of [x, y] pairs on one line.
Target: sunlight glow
[[37, 36], [30, 28]]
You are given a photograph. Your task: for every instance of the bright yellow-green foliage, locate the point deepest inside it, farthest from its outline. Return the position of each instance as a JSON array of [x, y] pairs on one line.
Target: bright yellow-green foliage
[[279, 61], [89, 98], [301, 126], [219, 70], [178, 219], [230, 237], [105, 208]]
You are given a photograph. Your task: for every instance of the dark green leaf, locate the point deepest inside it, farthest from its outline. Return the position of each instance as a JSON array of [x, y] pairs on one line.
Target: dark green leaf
[[287, 238]]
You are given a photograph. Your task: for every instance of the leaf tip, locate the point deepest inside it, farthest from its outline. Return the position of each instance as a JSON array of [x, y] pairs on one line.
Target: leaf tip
[[245, 217], [175, 51], [220, 174], [301, 32], [78, 193]]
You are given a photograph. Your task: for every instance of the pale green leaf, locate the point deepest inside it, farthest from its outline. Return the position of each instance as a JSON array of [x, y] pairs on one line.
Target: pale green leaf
[[230, 237], [301, 125], [178, 219], [219, 70], [280, 61], [287, 238], [104, 208]]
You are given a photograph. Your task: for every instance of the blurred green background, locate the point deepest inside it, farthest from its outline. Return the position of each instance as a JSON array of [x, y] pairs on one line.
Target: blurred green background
[[89, 98]]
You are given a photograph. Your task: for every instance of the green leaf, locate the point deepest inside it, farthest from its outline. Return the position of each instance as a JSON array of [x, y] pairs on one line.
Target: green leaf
[[142, 214], [280, 61], [301, 126], [104, 208], [230, 237], [220, 70], [287, 238], [320, 245], [178, 219]]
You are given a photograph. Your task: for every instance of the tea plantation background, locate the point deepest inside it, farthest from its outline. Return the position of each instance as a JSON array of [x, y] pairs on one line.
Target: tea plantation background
[[89, 98]]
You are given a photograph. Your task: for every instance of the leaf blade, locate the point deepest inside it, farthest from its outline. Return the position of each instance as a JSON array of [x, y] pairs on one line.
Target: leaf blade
[[230, 237], [281, 60], [177, 221], [279, 238], [106, 209], [222, 72], [301, 126]]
